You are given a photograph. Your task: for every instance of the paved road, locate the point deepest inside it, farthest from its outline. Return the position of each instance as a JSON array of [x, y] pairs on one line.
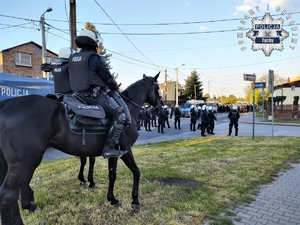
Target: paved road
[[221, 129], [277, 202]]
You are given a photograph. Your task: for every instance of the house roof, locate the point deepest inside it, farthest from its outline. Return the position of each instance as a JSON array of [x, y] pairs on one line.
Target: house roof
[[295, 83], [30, 42]]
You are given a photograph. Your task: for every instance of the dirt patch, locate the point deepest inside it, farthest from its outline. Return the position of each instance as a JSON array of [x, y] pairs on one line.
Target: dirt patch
[[176, 182]]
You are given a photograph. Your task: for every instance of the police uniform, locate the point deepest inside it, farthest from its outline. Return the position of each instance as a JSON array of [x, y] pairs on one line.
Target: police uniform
[[234, 116], [177, 116], [92, 82]]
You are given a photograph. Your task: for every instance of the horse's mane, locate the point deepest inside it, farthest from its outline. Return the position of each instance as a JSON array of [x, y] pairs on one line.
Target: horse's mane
[[133, 89]]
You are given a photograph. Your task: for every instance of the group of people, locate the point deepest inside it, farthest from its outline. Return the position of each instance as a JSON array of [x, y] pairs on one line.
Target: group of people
[[85, 75], [204, 116]]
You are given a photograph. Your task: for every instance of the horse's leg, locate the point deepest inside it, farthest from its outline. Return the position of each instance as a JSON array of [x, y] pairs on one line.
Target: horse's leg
[[112, 174], [9, 192], [131, 164], [91, 172], [11, 215], [80, 174], [27, 198]]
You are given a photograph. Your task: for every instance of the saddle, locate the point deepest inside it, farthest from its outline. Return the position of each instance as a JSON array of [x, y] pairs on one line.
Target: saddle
[[85, 119]]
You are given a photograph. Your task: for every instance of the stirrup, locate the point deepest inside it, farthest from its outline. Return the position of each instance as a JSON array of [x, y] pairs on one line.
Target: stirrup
[[113, 153]]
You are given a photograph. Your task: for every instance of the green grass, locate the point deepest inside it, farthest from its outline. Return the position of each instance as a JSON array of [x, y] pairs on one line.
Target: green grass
[[276, 120], [219, 173]]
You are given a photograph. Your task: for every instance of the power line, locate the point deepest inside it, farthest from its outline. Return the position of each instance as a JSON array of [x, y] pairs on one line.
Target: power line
[[124, 34]]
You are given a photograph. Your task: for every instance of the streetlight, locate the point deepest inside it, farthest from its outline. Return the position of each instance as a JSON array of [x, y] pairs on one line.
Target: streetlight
[[208, 89], [177, 83], [42, 20]]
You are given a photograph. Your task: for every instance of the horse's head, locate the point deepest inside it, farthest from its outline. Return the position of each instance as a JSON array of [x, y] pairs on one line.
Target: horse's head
[[153, 97]]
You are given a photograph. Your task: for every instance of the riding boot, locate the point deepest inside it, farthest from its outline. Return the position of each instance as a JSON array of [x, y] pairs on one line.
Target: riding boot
[[236, 132], [112, 140]]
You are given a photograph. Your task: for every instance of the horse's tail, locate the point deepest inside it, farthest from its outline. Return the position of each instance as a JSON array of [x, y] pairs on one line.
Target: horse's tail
[[3, 167]]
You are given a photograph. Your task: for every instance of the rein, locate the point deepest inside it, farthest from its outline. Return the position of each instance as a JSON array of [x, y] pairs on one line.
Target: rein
[[123, 96]]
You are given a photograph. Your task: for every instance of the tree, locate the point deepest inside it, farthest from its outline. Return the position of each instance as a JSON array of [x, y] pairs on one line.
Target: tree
[[258, 99], [193, 85]]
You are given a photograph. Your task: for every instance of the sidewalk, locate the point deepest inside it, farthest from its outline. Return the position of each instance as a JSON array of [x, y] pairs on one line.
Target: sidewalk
[[277, 202], [248, 118]]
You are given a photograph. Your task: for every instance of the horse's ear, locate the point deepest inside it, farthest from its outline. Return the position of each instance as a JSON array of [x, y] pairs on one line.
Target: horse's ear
[[144, 76], [155, 78]]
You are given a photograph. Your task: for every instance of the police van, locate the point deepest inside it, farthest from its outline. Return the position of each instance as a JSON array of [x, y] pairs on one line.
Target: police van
[[15, 86], [187, 106]]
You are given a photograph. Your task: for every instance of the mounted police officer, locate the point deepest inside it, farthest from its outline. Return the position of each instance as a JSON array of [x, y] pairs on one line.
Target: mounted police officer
[[60, 71], [92, 82], [234, 116]]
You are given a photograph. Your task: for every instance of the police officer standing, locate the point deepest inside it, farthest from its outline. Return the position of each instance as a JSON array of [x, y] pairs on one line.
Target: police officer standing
[[161, 120], [167, 116], [147, 118], [194, 116], [211, 120], [204, 120], [234, 116], [199, 117], [153, 116], [177, 116], [92, 82]]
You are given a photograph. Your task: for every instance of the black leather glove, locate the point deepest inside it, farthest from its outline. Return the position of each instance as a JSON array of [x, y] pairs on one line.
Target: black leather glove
[[46, 67]]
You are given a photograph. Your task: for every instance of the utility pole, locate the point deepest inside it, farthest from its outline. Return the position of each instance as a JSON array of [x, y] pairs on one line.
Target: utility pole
[[166, 81], [72, 23]]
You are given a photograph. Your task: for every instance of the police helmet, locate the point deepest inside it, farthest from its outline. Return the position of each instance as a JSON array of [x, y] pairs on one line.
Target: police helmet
[[176, 106], [88, 37], [209, 108], [165, 106], [199, 107], [204, 107], [65, 52], [234, 107]]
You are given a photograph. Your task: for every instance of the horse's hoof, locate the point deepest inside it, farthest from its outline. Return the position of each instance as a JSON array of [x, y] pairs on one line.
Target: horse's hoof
[[83, 183], [38, 209], [118, 204], [135, 207], [94, 186]]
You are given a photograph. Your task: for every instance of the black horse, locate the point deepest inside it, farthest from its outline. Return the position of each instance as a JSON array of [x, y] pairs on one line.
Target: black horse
[[29, 124]]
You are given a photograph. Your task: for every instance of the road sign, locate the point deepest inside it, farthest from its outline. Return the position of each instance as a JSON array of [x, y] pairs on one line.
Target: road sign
[[260, 85], [263, 93], [250, 77]]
